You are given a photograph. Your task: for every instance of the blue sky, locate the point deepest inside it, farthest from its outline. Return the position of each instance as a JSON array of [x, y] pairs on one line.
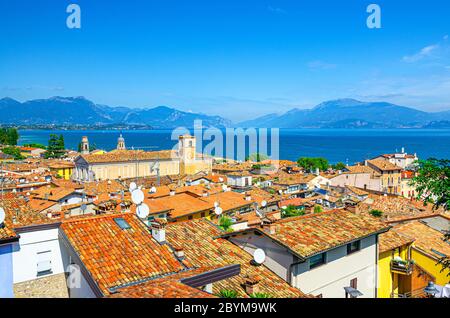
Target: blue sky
[[238, 59]]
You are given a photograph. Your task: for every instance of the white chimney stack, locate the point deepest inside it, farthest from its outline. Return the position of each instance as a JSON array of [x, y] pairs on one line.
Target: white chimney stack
[[159, 230]]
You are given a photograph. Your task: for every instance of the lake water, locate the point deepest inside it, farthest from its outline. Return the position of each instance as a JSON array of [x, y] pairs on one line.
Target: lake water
[[334, 144]]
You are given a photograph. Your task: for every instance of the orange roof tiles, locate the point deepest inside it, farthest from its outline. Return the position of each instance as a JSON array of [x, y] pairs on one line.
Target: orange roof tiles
[[426, 238], [391, 240], [167, 287], [129, 155], [17, 215], [384, 165], [198, 239], [116, 256], [316, 233], [396, 208]]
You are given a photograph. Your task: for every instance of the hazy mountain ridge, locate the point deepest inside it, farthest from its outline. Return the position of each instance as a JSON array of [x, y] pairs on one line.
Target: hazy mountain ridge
[[350, 113], [341, 113], [81, 111]]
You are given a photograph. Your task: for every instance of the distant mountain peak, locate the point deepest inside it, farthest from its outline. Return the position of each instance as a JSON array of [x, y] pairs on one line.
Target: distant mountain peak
[[60, 110], [9, 99], [343, 102]]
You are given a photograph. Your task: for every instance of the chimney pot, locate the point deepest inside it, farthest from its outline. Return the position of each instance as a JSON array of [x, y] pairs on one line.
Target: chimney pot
[[159, 230], [179, 253], [252, 284]]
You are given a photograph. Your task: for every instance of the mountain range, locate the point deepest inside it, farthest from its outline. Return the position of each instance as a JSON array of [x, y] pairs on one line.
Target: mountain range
[[81, 111], [340, 113], [351, 113]]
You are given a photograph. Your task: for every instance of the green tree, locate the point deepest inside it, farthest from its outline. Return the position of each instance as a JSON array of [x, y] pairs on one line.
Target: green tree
[[225, 223], [432, 184], [9, 136], [226, 293], [317, 209], [292, 211], [56, 147], [13, 151], [311, 164], [376, 213], [339, 166]]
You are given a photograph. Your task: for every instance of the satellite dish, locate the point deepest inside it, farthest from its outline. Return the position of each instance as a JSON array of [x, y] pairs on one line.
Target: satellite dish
[[220, 179], [133, 186], [142, 211], [153, 189], [280, 191], [216, 204], [263, 203], [284, 207], [137, 196], [224, 187], [259, 256], [218, 210], [83, 207], [2, 215]]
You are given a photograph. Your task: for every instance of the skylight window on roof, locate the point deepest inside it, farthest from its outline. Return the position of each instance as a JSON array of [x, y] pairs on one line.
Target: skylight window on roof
[[122, 223]]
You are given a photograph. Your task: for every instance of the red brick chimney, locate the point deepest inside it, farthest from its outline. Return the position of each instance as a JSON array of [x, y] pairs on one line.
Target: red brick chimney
[[252, 284]]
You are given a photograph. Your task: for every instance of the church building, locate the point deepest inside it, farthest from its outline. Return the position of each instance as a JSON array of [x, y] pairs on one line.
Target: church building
[[122, 163]]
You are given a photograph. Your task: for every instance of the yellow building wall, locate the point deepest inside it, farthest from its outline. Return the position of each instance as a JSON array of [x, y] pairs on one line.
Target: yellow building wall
[[130, 169], [430, 265], [388, 282], [65, 173]]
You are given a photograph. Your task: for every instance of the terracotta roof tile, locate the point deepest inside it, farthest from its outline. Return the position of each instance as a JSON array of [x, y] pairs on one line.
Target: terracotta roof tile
[[426, 238], [199, 241], [315, 233], [129, 155], [116, 256]]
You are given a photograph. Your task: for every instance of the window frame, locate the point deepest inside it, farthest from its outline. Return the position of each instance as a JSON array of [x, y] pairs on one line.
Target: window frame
[[322, 262], [349, 247]]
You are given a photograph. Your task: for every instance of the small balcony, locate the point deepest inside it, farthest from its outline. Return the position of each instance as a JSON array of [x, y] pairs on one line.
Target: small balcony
[[402, 267]]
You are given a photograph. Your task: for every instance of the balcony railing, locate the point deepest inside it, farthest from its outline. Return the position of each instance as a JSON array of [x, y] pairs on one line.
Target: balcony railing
[[418, 293], [403, 267]]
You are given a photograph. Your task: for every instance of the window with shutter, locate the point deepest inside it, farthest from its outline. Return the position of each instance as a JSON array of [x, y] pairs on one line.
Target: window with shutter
[[44, 263]]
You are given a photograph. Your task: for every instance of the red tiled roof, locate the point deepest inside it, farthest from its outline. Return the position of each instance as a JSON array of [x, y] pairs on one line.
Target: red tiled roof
[[198, 239], [167, 287], [319, 232], [116, 256], [426, 238]]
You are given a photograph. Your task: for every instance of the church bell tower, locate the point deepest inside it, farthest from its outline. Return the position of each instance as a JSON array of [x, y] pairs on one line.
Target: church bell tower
[[121, 143], [84, 145]]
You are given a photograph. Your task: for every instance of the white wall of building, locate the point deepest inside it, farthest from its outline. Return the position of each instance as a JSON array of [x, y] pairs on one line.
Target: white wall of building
[[331, 278], [328, 279], [32, 247], [359, 180]]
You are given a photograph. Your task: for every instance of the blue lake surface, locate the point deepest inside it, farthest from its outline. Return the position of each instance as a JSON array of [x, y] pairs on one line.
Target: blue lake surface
[[334, 144]]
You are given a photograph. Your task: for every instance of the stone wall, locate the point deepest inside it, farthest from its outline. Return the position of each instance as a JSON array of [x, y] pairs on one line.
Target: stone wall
[[53, 286]]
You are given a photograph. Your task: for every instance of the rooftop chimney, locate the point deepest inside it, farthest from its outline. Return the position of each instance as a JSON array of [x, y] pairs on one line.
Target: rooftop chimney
[[159, 230], [179, 253], [252, 284]]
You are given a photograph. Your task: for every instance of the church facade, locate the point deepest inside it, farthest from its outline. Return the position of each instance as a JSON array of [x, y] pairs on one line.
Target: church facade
[[122, 163]]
